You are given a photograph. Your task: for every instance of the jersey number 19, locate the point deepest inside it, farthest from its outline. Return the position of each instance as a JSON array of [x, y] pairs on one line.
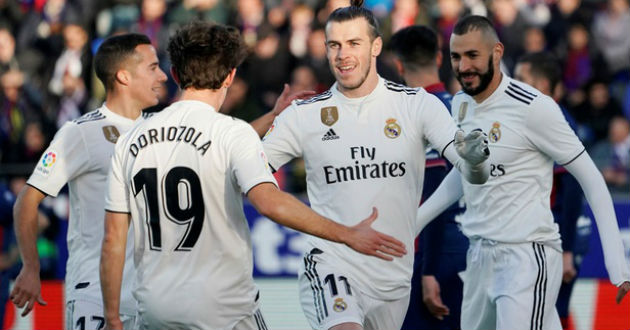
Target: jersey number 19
[[190, 215]]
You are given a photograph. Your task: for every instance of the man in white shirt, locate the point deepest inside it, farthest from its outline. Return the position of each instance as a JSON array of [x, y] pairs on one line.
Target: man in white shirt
[[363, 144], [514, 263], [79, 155], [178, 177]]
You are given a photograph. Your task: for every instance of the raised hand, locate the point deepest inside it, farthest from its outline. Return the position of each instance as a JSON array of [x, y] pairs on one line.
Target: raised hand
[[286, 97], [368, 241], [473, 147]]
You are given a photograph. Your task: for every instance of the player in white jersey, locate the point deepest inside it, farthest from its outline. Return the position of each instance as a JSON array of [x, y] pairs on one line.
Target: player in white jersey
[[79, 156], [362, 142], [514, 263], [178, 177]]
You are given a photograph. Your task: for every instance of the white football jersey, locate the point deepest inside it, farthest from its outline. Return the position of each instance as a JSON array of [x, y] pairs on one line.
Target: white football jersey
[[80, 155], [180, 174], [526, 134], [361, 153]]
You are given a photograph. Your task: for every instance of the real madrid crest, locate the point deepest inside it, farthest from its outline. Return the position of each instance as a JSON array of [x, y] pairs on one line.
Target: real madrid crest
[[392, 129], [462, 111], [111, 133], [329, 115], [339, 305], [495, 132]]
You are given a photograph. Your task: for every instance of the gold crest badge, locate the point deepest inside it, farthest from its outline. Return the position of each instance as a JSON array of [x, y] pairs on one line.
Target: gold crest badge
[[339, 305], [495, 132], [392, 129], [330, 115], [462, 111], [111, 133]]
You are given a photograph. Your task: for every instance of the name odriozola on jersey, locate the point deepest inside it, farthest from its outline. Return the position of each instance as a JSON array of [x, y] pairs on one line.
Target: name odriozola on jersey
[[362, 153], [180, 174], [80, 155]]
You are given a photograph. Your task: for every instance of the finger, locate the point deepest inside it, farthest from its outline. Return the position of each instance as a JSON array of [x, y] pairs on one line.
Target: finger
[[623, 290], [372, 217], [303, 94], [392, 252], [380, 255], [392, 243], [41, 301], [28, 308], [21, 301], [459, 136]]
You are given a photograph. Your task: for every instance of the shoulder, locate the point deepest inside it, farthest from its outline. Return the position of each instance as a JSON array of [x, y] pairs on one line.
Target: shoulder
[[89, 117], [521, 93], [399, 88], [317, 98]]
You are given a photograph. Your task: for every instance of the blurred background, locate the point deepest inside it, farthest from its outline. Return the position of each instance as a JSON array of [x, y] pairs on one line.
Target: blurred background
[[46, 79]]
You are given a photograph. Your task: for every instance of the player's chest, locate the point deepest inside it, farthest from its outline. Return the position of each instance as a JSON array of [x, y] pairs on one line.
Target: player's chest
[[506, 130], [101, 142], [334, 133]]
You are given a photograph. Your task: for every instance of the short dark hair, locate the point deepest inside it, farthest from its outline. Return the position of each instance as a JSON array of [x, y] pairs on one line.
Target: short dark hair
[[355, 10], [203, 54], [113, 52], [416, 46], [543, 65], [475, 22]]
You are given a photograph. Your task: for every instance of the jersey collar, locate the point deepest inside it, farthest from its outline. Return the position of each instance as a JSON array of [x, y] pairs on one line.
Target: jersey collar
[[380, 86], [114, 116]]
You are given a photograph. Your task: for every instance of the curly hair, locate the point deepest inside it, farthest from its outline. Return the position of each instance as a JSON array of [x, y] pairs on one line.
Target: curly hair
[[203, 54]]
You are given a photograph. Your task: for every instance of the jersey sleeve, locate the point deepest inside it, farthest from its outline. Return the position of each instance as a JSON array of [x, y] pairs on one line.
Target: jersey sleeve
[[117, 196], [248, 162], [66, 157], [436, 121], [282, 141], [549, 131]]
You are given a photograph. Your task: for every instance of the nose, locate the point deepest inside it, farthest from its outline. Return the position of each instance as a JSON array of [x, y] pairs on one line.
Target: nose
[[341, 53], [464, 64], [162, 77]]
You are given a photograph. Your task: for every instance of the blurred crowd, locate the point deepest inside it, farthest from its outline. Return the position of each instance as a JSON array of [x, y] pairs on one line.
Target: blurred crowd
[[46, 49]]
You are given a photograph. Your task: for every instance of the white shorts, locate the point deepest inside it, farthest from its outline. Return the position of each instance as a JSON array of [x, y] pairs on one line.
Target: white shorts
[[511, 286], [252, 322], [87, 315], [329, 297]]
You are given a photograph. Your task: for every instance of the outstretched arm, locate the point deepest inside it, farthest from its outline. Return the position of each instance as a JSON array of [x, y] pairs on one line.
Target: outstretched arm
[[449, 192], [27, 287], [598, 197], [288, 211]]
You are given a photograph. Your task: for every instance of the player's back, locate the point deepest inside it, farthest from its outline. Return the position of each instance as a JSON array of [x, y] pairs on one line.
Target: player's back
[[193, 250]]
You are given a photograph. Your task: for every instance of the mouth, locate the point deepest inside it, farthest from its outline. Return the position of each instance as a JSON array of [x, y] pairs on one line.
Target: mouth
[[468, 77], [346, 69]]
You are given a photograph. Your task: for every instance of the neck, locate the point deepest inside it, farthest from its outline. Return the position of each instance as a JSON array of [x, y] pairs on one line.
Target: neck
[[494, 84], [212, 97], [123, 105], [366, 88], [421, 78]]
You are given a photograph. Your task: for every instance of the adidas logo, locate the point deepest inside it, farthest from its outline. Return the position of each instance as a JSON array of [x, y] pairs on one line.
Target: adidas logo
[[330, 135]]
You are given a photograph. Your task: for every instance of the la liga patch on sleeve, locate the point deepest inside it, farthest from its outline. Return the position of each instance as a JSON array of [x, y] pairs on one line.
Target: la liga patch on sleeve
[[47, 162]]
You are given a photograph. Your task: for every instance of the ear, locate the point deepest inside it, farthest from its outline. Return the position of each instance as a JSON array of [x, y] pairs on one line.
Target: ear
[[439, 58], [227, 82], [174, 75], [377, 46], [123, 77], [399, 66], [497, 51]]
